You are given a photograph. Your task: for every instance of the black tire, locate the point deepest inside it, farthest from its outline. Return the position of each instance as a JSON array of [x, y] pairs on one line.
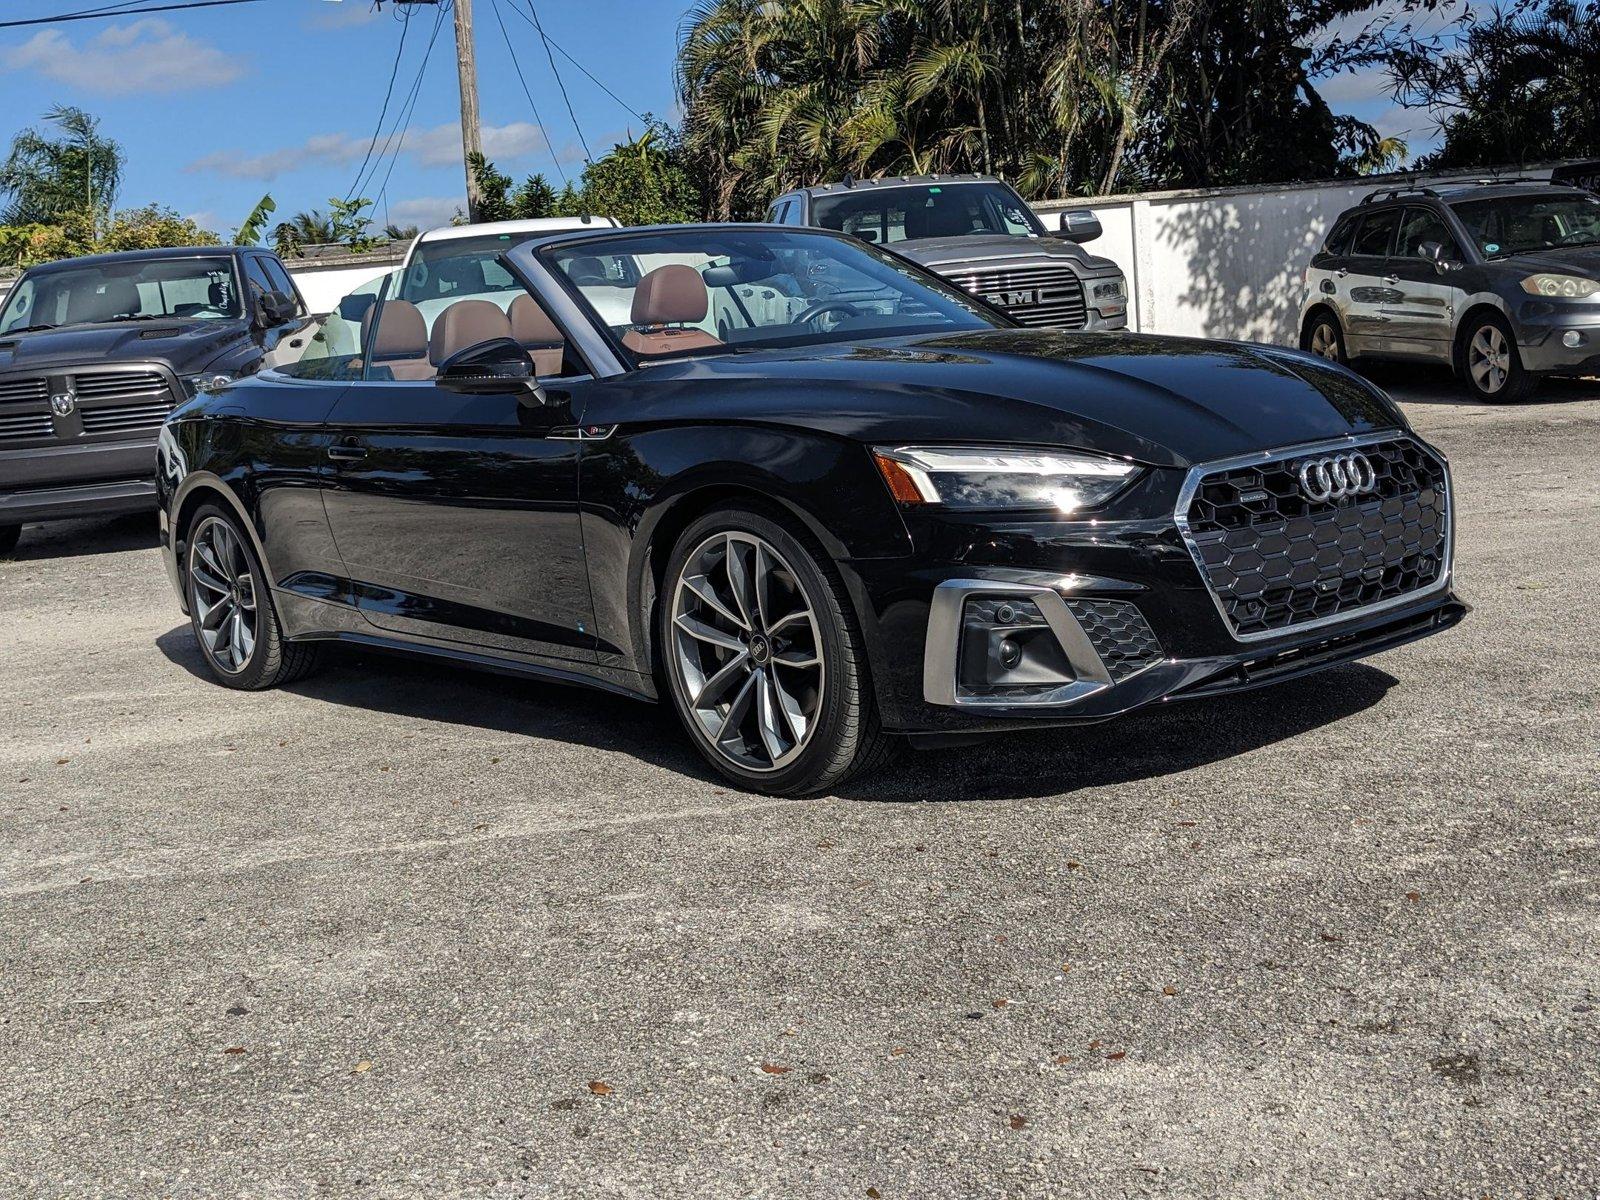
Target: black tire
[[1323, 337], [8, 538], [271, 660], [845, 738], [1489, 363]]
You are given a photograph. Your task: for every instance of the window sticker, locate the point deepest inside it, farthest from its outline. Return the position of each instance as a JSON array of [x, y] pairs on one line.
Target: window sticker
[[1491, 247]]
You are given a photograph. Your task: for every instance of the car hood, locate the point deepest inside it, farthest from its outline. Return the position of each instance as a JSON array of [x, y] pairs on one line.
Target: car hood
[[941, 253], [182, 345], [1562, 260], [1159, 400]]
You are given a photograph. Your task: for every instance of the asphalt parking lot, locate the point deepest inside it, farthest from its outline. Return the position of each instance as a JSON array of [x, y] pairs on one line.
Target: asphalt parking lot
[[401, 931]]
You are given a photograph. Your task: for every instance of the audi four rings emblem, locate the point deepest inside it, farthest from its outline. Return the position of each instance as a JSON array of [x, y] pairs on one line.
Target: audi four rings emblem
[[1337, 476]]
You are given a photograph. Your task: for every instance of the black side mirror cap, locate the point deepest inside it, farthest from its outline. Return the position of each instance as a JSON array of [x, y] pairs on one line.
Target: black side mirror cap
[[1079, 225], [274, 308], [499, 366]]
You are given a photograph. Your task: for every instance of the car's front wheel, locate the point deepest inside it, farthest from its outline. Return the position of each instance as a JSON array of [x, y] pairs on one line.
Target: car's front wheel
[[1324, 338], [230, 608], [1490, 364], [763, 658]]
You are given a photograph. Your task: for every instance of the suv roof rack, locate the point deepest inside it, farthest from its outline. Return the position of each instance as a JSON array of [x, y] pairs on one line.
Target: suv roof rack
[[1391, 193]]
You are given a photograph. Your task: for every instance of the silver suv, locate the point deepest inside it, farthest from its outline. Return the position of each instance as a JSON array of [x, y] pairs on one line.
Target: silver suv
[[1499, 280]]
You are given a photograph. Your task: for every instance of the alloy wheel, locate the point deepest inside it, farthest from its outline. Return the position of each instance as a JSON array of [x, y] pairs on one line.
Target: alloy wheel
[[1324, 342], [747, 650], [1489, 359], [223, 595]]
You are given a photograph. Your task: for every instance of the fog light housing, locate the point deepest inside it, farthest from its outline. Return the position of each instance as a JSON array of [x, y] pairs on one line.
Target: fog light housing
[[1572, 339], [1008, 649]]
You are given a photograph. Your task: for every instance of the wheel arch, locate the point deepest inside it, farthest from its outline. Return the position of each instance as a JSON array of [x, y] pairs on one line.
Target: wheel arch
[[1320, 308], [198, 489], [1474, 312]]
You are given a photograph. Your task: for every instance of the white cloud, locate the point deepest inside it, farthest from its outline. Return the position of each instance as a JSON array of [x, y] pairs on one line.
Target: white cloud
[[439, 146], [425, 212], [1354, 87], [141, 57]]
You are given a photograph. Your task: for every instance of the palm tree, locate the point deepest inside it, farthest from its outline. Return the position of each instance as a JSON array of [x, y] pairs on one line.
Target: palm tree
[[51, 178], [309, 228]]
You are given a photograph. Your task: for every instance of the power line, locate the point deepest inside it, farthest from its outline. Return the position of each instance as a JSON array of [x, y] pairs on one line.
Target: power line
[[562, 50], [517, 66], [91, 14], [377, 129], [402, 115], [404, 120], [539, 25]]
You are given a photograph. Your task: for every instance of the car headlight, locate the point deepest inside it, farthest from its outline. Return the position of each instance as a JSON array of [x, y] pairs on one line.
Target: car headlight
[[1111, 289], [206, 381], [1568, 287], [998, 477]]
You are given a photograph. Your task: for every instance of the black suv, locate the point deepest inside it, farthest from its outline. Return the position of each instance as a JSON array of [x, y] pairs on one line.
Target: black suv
[[94, 352], [1499, 280], [981, 236]]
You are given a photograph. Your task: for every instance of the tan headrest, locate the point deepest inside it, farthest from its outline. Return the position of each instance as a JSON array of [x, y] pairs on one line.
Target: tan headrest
[[402, 333], [668, 295], [530, 325], [466, 323]]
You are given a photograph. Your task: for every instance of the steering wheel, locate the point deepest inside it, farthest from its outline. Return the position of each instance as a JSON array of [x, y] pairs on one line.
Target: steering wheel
[[812, 312]]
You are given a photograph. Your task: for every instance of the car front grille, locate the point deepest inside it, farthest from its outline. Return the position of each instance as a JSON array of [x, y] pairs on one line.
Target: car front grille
[[1276, 558], [105, 404], [1046, 295], [1119, 634]]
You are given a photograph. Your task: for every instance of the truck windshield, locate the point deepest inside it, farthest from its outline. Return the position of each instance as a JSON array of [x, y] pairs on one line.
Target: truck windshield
[[1536, 221], [935, 210], [197, 288]]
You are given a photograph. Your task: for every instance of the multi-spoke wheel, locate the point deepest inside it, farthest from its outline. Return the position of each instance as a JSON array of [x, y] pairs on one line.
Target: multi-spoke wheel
[[764, 663], [1490, 364], [230, 608], [1322, 338]]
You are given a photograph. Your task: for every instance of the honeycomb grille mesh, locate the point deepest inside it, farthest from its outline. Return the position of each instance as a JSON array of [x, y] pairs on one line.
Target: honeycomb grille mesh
[[1275, 559], [1120, 635]]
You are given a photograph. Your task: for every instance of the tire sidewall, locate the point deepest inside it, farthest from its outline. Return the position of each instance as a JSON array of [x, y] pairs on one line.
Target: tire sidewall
[[266, 622], [1517, 382], [841, 690], [1332, 322]]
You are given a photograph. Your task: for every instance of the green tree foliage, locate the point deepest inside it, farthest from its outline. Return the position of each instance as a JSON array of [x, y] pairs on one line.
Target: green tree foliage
[[1060, 96], [346, 223], [68, 171], [153, 227], [642, 181], [1518, 86], [253, 226]]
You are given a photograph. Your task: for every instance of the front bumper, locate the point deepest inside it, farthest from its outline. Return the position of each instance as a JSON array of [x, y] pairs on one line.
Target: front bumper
[[50, 483], [1545, 326]]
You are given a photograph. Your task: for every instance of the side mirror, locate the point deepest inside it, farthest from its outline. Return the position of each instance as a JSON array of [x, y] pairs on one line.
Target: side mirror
[[1079, 225], [1434, 252], [274, 308], [353, 307], [499, 366]]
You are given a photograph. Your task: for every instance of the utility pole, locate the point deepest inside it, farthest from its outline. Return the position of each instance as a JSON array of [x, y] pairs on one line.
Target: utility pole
[[467, 72]]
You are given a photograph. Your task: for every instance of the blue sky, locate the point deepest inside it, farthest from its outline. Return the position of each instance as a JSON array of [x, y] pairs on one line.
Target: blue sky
[[215, 107]]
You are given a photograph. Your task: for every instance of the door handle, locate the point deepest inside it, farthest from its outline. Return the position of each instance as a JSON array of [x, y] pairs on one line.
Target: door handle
[[347, 451], [1391, 279], [1342, 272]]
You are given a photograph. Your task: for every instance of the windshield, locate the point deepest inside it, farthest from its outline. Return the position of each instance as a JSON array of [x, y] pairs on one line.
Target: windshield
[[708, 290], [200, 288], [1537, 221], [897, 214]]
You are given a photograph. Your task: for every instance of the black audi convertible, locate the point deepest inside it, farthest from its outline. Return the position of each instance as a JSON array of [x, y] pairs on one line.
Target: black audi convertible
[[823, 501]]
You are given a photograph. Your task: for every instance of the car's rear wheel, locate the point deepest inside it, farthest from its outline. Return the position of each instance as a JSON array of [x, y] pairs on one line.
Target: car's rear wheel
[[1324, 338], [9, 534], [231, 611], [763, 658], [1490, 364]]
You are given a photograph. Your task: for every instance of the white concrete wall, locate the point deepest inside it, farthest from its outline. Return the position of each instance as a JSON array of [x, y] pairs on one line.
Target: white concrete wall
[[1220, 263], [322, 286]]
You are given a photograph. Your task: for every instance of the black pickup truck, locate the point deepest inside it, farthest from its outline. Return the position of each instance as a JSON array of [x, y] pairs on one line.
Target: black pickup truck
[[94, 352]]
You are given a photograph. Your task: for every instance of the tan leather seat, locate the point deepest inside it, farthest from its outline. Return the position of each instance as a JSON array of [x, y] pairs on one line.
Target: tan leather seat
[[536, 333], [466, 323], [400, 344], [670, 295]]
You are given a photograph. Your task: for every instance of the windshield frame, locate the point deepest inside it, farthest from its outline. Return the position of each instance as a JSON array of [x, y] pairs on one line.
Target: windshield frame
[[889, 190], [1530, 197], [67, 266], [545, 256]]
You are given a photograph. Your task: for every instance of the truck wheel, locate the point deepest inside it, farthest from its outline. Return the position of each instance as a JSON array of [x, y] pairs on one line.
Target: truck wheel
[[230, 608], [8, 538], [763, 658], [1489, 363]]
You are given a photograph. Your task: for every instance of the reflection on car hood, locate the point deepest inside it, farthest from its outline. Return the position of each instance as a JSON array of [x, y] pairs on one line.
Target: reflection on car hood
[[184, 345], [1163, 401], [1560, 260], [939, 253]]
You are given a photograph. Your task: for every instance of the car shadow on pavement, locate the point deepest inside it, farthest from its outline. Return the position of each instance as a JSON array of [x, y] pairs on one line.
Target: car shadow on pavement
[[74, 539], [1159, 741], [1416, 383]]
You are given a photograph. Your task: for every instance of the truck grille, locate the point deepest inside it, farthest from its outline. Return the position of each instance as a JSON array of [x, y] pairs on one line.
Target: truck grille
[[1046, 295], [106, 403], [1275, 558]]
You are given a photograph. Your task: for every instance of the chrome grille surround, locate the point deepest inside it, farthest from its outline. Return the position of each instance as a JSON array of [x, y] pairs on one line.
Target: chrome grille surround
[[1276, 563], [1058, 301]]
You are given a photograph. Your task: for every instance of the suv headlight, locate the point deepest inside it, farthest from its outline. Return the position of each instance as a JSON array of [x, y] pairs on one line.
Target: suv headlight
[[206, 381], [1111, 289], [999, 477], [1567, 287]]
